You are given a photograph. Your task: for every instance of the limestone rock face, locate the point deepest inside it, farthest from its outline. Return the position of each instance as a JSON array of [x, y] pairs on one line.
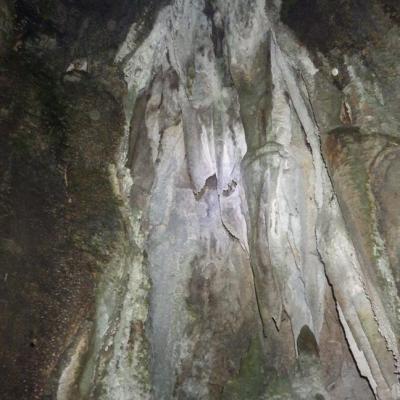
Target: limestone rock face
[[226, 188]]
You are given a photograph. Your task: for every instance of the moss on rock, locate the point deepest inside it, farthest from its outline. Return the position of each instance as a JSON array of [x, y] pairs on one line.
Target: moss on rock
[[250, 383]]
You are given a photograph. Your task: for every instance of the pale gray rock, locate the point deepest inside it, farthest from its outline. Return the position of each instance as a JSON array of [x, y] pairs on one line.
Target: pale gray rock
[[250, 271]]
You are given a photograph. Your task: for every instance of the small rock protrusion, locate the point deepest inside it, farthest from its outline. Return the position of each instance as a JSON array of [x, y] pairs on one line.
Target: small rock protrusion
[[79, 64], [345, 114], [76, 70], [94, 115], [111, 25]]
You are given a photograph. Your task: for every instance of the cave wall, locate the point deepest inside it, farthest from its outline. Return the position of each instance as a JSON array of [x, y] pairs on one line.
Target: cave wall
[[198, 199]]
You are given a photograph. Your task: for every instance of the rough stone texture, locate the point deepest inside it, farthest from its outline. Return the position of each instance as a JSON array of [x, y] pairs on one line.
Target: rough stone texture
[[199, 199]]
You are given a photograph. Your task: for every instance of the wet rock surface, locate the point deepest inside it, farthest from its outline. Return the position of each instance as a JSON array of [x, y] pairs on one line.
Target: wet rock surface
[[198, 199]]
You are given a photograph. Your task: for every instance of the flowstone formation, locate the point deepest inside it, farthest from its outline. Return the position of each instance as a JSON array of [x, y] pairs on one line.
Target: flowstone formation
[[226, 217]]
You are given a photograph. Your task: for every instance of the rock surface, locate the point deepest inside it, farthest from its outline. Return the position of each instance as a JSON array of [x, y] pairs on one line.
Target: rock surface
[[199, 199]]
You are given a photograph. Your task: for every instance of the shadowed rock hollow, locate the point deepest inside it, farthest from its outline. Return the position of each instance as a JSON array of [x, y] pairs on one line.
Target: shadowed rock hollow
[[199, 200]]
